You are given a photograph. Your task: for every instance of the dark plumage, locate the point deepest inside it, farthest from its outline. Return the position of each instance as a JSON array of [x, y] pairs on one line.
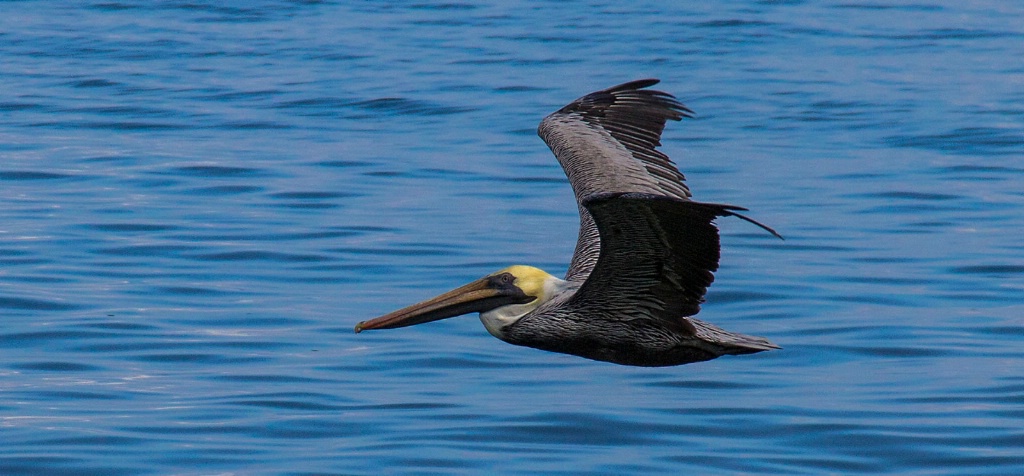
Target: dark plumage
[[656, 262], [645, 255]]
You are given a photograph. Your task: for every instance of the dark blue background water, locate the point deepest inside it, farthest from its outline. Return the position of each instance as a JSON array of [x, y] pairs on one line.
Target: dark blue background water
[[198, 201]]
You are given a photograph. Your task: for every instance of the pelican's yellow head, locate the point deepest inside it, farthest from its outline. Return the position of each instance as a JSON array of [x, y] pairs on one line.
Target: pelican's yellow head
[[533, 282], [501, 298], [528, 279]]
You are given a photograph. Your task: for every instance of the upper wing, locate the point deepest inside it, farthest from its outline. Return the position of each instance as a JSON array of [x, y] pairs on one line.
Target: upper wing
[[606, 142]]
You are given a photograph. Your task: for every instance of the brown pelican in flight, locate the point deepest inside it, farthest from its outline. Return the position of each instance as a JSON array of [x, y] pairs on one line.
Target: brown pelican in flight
[[644, 259]]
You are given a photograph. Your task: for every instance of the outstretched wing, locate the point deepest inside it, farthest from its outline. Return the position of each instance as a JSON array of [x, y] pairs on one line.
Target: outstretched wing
[[606, 142], [657, 256]]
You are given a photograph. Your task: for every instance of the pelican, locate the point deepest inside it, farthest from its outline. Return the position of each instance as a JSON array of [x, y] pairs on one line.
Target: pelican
[[643, 261]]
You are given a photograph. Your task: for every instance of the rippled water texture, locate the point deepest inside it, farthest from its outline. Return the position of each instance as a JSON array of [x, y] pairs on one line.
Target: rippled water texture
[[198, 202]]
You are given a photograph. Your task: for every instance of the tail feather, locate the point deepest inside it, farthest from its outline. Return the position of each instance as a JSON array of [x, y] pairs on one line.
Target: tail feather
[[730, 342]]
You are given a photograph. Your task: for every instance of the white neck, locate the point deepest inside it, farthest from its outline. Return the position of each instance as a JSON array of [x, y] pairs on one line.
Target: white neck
[[499, 318]]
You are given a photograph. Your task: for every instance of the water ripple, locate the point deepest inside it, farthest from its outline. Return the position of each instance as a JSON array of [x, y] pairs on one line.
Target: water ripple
[[199, 201]]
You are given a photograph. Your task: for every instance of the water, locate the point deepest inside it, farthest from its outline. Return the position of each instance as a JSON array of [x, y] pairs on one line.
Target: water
[[198, 202]]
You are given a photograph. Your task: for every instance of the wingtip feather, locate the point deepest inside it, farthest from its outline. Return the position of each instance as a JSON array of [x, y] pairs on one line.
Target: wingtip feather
[[635, 84]]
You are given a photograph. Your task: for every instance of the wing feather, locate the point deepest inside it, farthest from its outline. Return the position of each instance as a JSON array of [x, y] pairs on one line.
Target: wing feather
[[607, 142], [657, 257]]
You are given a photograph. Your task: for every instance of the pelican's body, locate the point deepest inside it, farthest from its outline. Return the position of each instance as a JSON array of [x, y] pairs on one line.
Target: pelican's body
[[644, 259]]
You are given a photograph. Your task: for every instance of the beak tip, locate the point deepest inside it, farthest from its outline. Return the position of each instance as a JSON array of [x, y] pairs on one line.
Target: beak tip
[[359, 327]]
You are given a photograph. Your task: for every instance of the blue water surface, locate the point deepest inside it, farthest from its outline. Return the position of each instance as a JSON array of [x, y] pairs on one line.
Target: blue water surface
[[198, 201]]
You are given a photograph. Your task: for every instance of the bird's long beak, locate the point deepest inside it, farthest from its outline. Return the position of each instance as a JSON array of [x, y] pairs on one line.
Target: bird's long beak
[[477, 296]]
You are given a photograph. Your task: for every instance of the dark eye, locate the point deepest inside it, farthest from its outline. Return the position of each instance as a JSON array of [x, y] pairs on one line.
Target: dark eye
[[507, 278]]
